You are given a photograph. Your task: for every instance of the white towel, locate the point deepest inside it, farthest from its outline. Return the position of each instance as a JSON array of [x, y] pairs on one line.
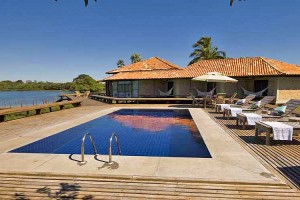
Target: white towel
[[281, 131], [252, 118], [235, 111], [224, 106]]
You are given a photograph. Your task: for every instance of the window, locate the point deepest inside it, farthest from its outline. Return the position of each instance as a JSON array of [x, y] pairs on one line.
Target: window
[[125, 89], [135, 88]]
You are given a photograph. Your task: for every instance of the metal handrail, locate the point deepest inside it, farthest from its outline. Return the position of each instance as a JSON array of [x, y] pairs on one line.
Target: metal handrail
[[114, 135], [82, 162]]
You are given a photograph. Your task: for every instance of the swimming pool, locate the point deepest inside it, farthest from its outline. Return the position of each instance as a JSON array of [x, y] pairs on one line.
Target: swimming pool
[[141, 132]]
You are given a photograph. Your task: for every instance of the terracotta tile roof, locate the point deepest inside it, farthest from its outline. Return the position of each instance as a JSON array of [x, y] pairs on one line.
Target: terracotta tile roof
[[151, 74], [285, 68], [145, 65], [233, 67], [239, 67], [253, 66]]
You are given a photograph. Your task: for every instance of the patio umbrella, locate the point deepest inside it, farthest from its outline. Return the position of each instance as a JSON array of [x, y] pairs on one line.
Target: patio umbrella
[[215, 77]]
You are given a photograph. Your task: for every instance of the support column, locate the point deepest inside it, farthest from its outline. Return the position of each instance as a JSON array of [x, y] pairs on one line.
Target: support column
[[277, 89]]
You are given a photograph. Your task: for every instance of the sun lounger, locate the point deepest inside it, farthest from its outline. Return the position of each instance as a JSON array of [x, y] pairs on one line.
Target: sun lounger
[[220, 99], [220, 107], [78, 94], [196, 101], [243, 118], [231, 99], [279, 130], [86, 94], [229, 111], [292, 104]]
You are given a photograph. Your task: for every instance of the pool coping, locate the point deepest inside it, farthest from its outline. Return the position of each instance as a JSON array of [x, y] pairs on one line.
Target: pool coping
[[229, 162]]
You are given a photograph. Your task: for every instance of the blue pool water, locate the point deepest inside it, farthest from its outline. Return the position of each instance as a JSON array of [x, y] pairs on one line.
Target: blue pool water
[[141, 132]]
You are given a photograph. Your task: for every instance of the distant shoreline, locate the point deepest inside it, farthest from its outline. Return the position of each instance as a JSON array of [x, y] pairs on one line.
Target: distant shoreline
[[18, 90]]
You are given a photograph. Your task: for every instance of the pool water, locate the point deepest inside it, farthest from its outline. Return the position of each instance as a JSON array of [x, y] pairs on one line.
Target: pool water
[[141, 132]]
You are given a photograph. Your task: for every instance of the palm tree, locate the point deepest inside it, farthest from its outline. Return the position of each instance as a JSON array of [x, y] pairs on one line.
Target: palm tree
[[231, 2], [120, 63], [86, 2], [205, 51], [135, 58]]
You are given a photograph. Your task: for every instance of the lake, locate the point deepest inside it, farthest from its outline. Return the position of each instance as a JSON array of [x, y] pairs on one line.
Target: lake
[[14, 98]]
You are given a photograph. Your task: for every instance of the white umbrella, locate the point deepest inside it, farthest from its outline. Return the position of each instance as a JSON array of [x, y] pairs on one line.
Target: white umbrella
[[215, 77]]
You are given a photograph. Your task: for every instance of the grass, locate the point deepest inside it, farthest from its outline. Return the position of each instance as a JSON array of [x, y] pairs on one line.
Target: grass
[[31, 113]]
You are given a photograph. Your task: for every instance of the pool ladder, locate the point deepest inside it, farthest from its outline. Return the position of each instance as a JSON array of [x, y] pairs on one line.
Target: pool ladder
[[114, 135]]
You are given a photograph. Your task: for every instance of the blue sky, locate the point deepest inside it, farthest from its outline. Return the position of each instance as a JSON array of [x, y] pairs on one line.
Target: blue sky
[[56, 41]]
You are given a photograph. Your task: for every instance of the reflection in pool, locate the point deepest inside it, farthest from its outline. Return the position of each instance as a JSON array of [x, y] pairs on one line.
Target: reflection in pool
[[141, 132]]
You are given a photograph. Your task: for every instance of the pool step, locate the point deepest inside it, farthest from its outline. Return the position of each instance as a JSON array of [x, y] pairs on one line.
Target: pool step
[[55, 186]]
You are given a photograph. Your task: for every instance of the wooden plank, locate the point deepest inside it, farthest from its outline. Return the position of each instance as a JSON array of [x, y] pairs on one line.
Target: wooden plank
[[30, 185], [283, 156], [37, 108], [141, 98], [29, 108]]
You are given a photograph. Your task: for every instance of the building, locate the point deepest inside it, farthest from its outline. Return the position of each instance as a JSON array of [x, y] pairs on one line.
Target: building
[[143, 79]]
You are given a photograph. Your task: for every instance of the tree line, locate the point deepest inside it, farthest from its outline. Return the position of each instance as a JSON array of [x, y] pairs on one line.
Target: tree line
[[82, 82], [86, 2], [203, 50]]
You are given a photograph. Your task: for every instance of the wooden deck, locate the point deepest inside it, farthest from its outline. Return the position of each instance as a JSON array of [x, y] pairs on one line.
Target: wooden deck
[[33, 185], [283, 156], [141, 99], [37, 108], [57, 186]]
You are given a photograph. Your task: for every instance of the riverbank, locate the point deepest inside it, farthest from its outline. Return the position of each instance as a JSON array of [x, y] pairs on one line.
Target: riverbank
[[10, 99]]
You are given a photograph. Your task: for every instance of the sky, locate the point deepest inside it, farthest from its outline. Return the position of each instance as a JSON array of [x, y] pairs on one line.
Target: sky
[[56, 41]]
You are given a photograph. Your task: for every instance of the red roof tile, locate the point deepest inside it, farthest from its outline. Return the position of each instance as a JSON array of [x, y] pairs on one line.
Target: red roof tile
[[239, 67], [151, 74], [285, 68], [145, 65], [233, 67]]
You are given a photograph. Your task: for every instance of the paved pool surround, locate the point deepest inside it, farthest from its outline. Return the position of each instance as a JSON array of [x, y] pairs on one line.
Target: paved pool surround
[[229, 162]]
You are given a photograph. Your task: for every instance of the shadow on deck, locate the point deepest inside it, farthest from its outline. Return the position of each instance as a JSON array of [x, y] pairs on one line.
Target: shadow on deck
[[283, 156]]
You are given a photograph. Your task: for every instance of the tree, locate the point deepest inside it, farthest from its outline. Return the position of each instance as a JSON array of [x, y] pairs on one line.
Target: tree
[[135, 58], [120, 63], [19, 81], [231, 2], [86, 2], [205, 51], [84, 82]]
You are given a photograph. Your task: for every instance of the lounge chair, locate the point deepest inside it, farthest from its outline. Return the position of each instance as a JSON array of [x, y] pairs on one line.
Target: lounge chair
[[78, 94], [220, 99], [204, 94], [196, 101], [283, 130], [264, 101], [220, 107], [165, 94], [86, 94], [208, 100], [231, 99], [291, 105]]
